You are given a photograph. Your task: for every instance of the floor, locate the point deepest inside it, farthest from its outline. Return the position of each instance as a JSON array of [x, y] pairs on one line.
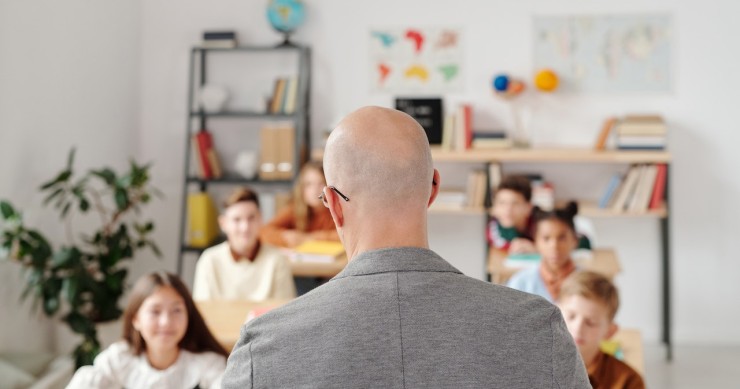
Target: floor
[[693, 367]]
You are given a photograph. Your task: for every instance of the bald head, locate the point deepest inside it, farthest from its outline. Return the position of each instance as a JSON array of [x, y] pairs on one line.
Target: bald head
[[381, 156]]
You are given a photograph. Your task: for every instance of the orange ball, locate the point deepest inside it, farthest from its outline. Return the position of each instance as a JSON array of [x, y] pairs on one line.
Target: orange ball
[[546, 80]]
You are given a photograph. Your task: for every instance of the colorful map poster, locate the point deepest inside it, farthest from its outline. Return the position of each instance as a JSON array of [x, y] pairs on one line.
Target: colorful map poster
[[620, 53], [417, 60]]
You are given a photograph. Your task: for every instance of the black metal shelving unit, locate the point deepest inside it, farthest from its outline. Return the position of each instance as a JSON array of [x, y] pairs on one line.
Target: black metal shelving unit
[[198, 121]]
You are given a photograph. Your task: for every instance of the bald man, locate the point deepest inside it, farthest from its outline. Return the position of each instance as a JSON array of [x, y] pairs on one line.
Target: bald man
[[399, 316]]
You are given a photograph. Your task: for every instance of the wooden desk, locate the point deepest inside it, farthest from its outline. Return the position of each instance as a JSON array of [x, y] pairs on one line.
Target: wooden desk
[[225, 318], [314, 269], [603, 261], [630, 341]]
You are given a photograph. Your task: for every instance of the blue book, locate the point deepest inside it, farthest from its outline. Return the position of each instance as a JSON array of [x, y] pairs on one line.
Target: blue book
[[610, 189]]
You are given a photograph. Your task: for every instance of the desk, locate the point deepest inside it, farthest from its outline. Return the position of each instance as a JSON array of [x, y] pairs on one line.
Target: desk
[[603, 261], [225, 318], [317, 269], [630, 340]]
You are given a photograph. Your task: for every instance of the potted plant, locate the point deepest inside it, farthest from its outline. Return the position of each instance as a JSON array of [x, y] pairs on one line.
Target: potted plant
[[83, 280]]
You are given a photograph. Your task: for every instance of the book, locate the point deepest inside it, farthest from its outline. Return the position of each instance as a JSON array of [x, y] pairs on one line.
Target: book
[[611, 188], [495, 175], [203, 140], [277, 97], [491, 143], [219, 35], [318, 251], [219, 44], [291, 95], [428, 113], [642, 125], [522, 260], [644, 190], [203, 220], [200, 159], [604, 134], [466, 111], [626, 189], [657, 197], [448, 132], [211, 156], [641, 140]]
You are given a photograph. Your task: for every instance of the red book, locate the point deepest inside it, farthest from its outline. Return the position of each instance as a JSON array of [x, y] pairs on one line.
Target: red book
[[468, 112], [204, 144], [659, 189]]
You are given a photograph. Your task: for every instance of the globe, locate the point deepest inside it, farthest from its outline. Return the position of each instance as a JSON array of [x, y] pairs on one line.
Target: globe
[[285, 16]]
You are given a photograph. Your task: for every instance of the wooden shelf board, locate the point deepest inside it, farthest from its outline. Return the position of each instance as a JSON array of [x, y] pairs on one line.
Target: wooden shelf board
[[565, 155]]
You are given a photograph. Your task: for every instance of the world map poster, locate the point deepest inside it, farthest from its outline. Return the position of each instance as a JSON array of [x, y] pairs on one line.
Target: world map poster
[[611, 54], [415, 60]]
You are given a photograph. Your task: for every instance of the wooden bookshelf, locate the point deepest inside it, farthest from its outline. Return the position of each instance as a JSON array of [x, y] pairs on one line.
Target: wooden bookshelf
[[562, 155]]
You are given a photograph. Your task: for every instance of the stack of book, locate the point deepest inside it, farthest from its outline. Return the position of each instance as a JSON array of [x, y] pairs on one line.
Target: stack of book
[[477, 189], [284, 96], [206, 158], [645, 132], [318, 251], [641, 189], [277, 152], [491, 140], [219, 40], [457, 129]]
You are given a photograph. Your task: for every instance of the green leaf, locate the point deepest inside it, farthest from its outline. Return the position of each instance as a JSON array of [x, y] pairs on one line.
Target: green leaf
[[79, 323], [70, 289], [7, 210], [66, 257], [53, 194], [51, 305], [84, 205], [106, 174], [121, 199], [115, 281], [62, 177], [154, 248], [65, 209], [70, 158]]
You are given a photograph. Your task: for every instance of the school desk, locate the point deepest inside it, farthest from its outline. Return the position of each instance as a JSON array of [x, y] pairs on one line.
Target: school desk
[[630, 341], [225, 318], [602, 261]]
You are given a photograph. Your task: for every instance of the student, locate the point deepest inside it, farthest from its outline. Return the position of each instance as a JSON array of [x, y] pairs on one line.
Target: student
[[589, 302], [555, 239], [166, 343], [306, 218], [242, 268], [511, 226]]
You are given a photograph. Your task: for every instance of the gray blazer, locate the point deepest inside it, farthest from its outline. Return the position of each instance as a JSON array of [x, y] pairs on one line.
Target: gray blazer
[[405, 318]]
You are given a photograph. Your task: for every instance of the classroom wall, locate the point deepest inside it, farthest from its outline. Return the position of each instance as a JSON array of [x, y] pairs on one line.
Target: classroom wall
[[700, 112], [111, 78], [68, 77]]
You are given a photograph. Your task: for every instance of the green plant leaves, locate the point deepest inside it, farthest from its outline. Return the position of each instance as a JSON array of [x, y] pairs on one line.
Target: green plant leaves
[[7, 210], [106, 174], [84, 279]]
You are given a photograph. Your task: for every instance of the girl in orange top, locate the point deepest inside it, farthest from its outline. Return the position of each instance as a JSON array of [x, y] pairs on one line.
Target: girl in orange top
[[305, 218]]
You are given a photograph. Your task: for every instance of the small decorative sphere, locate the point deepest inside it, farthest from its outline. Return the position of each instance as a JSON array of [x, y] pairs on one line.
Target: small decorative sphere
[[501, 83], [546, 80]]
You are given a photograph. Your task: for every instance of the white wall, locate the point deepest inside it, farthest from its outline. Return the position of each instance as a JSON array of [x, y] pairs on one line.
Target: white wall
[[68, 77], [497, 38]]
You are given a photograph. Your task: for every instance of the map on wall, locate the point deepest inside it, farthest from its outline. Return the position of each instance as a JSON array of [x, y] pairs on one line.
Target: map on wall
[[417, 60], [620, 53]]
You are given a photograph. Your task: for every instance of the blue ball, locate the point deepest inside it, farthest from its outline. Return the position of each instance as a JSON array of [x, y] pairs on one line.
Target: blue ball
[[501, 83]]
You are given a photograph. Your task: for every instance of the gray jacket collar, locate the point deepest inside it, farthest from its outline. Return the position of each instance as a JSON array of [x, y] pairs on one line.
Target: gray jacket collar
[[396, 259]]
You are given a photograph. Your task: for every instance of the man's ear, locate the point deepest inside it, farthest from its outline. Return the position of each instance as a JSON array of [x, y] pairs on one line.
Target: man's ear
[[435, 187], [613, 328], [335, 207]]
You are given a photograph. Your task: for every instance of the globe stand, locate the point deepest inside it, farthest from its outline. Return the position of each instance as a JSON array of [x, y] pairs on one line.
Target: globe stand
[[286, 41]]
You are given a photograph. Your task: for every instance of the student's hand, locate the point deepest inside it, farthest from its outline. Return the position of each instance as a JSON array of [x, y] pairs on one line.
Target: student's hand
[[522, 246], [294, 238]]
